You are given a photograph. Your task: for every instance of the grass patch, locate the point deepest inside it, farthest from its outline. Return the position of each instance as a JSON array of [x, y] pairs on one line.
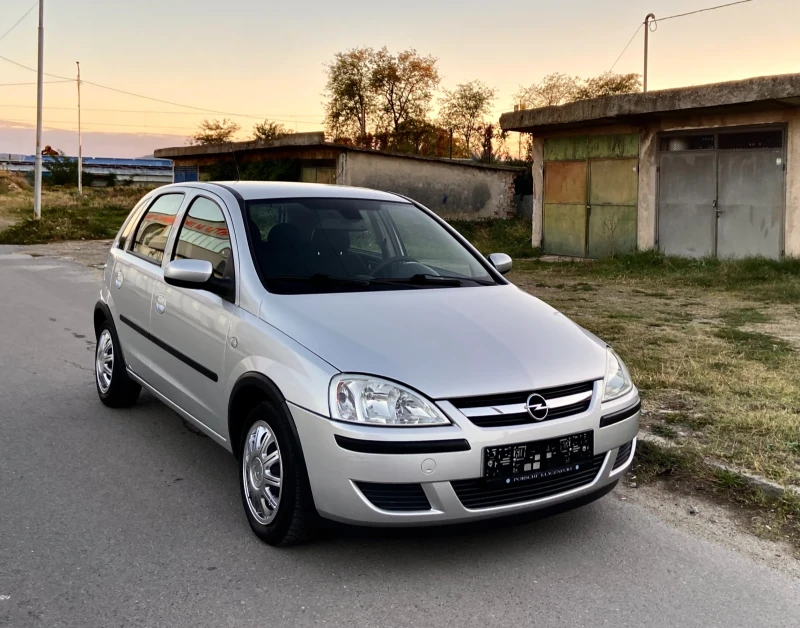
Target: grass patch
[[765, 279], [511, 236], [96, 215], [666, 431], [768, 350], [744, 316], [734, 390]]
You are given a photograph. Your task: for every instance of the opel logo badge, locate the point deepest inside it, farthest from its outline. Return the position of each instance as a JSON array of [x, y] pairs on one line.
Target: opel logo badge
[[537, 407]]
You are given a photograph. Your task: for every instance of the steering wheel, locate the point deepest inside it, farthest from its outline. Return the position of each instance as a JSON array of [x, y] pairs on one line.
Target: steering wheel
[[399, 259]]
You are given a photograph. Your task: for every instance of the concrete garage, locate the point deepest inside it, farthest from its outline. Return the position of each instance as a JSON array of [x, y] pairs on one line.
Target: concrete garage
[[451, 188], [711, 170]]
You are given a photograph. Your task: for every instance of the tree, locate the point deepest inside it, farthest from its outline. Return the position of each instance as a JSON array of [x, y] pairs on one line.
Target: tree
[[465, 107], [608, 84], [267, 130], [215, 131], [557, 89], [404, 85], [352, 101], [554, 89]]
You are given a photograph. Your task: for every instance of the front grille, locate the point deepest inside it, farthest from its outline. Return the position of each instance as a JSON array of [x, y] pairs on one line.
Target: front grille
[[490, 416], [403, 497], [480, 494], [623, 454]]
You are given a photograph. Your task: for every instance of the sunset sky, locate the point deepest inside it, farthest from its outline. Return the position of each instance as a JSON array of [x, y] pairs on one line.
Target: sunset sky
[[266, 59]]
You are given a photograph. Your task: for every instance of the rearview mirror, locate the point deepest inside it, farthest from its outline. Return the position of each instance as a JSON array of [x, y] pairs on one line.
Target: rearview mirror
[[196, 274], [501, 262]]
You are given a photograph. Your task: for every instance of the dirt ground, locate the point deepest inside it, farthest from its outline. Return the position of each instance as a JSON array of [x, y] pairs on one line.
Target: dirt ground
[[92, 253]]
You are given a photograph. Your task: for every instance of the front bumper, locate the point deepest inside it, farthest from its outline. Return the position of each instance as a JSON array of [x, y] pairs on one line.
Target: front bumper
[[334, 471]]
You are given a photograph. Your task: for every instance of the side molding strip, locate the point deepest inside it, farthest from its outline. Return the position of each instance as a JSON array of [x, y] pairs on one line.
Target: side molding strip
[[171, 350]]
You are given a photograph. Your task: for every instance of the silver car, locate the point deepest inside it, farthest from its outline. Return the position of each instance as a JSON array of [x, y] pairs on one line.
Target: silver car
[[362, 361]]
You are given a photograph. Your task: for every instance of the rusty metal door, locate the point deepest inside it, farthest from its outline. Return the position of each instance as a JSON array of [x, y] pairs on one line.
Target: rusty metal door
[[750, 204], [590, 195], [612, 207], [564, 230], [687, 190]]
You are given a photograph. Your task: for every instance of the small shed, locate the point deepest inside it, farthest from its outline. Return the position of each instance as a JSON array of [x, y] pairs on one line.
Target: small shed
[[451, 188], [711, 170]]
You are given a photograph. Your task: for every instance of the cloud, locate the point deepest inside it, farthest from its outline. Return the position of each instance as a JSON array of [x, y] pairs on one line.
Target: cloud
[[20, 137]]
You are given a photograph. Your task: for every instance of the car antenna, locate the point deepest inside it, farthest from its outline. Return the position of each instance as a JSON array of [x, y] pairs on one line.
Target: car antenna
[[236, 163]]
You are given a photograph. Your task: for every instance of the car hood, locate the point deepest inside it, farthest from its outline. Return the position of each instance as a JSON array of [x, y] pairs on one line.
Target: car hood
[[445, 342]]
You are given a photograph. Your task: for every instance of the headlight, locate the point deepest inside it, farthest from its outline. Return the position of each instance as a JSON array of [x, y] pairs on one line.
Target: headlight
[[374, 401], [618, 380]]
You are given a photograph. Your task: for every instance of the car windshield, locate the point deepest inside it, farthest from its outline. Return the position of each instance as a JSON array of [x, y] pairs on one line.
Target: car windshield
[[304, 245]]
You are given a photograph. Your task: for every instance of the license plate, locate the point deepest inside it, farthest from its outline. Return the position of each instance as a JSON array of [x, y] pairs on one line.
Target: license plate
[[534, 460]]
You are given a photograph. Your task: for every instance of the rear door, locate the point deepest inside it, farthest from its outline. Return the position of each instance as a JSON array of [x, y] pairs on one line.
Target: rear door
[[190, 327], [136, 270]]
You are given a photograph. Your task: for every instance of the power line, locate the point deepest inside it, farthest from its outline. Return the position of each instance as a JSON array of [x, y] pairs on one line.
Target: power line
[[49, 82], [719, 6], [25, 67], [630, 41], [149, 126], [18, 21], [166, 102], [140, 111], [670, 17]]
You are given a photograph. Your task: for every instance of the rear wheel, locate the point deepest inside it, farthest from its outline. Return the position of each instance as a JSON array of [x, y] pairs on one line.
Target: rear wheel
[[114, 387], [274, 488]]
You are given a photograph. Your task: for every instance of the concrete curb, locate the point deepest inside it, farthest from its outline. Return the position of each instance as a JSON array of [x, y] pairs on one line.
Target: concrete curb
[[756, 481]]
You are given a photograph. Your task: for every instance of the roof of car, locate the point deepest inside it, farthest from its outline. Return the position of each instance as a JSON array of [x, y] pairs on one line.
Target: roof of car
[[251, 190]]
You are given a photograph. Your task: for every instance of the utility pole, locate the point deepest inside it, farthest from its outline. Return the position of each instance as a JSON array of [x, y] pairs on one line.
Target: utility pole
[[80, 147], [37, 181], [647, 19]]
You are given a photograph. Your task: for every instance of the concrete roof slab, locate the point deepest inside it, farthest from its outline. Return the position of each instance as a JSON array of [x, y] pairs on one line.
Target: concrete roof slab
[[760, 92]]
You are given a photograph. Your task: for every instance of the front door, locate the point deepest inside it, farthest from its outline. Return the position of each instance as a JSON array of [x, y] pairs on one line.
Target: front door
[[136, 271], [190, 326]]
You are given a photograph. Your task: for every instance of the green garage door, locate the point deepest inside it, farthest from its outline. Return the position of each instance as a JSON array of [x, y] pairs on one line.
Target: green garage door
[[590, 195]]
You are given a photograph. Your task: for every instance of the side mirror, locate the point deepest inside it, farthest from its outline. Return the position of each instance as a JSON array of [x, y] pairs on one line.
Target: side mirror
[[501, 262], [196, 274]]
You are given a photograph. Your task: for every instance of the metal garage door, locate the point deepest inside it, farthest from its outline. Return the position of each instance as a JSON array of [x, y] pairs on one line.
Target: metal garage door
[[722, 193], [590, 195]]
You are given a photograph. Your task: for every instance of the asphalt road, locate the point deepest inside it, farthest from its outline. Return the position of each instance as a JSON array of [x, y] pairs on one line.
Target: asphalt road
[[126, 518]]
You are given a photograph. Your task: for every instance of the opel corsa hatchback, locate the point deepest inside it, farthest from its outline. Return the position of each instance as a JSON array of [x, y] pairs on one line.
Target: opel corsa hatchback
[[360, 358]]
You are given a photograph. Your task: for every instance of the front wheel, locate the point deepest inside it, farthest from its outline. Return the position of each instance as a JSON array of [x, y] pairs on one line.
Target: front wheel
[[274, 488], [114, 387]]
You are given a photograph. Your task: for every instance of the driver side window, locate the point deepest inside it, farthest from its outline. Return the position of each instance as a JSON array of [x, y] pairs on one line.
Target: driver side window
[[204, 235]]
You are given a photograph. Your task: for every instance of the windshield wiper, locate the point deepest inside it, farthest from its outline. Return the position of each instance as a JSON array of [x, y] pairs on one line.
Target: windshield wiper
[[427, 279]]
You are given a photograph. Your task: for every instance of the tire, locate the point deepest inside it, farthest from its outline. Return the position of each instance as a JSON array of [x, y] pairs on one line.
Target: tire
[[284, 515], [116, 390]]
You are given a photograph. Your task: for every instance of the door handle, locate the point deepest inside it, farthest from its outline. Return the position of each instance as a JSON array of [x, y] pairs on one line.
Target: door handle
[[119, 279], [716, 207], [161, 303]]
